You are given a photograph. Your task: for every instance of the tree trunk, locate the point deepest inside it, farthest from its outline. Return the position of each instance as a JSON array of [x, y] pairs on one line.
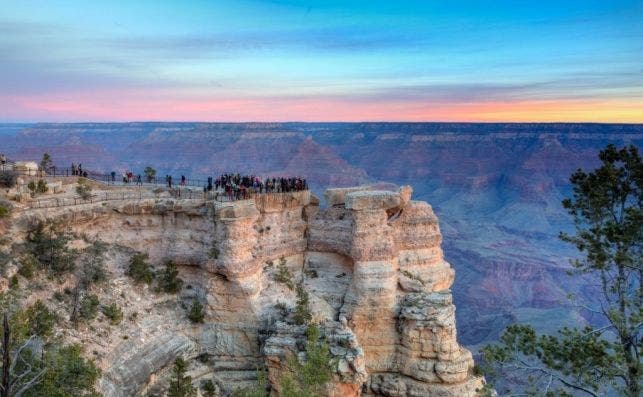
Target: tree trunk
[[6, 359]]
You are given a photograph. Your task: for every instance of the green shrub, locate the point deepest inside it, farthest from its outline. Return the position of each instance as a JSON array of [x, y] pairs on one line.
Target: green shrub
[[28, 266], [283, 275], [41, 187], [32, 188], [258, 391], [41, 319], [59, 296], [139, 269], [302, 312], [150, 173], [196, 314], [203, 358], [14, 282], [309, 377], [181, 384], [208, 388], [46, 162], [8, 179], [49, 247], [114, 313], [68, 374], [36, 188], [37, 320], [83, 189], [282, 309], [5, 209], [169, 281], [89, 307], [92, 264], [214, 253]]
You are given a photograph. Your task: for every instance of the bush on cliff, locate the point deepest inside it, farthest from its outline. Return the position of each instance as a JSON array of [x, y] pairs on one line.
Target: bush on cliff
[[36, 320], [302, 313], [196, 313], [5, 209], [28, 266], [309, 378], [181, 384], [68, 374], [283, 275], [88, 309], [140, 270], [48, 244], [37, 188], [114, 313], [168, 280], [8, 179], [259, 390], [90, 271], [607, 214], [83, 189], [208, 389]]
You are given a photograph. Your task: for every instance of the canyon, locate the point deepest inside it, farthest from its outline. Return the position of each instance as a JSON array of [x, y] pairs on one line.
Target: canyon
[[370, 259], [496, 188]]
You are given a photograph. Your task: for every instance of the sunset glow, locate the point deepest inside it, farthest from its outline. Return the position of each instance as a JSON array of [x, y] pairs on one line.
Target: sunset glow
[[321, 61]]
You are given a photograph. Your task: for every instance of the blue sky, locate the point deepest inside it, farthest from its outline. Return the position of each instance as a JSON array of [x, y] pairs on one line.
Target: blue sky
[[321, 60]]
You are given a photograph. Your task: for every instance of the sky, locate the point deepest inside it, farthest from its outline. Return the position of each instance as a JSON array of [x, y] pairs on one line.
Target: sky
[[218, 60]]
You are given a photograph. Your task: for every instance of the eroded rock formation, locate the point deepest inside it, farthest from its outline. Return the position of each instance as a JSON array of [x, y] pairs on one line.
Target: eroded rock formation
[[371, 262]]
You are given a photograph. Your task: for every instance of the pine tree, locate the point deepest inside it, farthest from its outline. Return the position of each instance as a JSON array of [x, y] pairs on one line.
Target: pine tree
[[181, 384], [45, 163], [139, 269], [310, 377], [606, 209], [169, 281]]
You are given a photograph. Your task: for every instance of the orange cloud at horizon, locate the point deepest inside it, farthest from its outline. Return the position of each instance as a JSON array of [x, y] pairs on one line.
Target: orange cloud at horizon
[[140, 107]]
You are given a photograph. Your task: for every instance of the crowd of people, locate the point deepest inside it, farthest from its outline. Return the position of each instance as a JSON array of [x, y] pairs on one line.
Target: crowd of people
[[238, 187], [231, 186], [77, 170], [128, 177]]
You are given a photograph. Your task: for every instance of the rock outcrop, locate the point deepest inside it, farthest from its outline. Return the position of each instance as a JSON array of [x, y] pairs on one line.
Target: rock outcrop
[[371, 263]]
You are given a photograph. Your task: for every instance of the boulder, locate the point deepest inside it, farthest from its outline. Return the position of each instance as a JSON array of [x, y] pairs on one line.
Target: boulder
[[372, 200]]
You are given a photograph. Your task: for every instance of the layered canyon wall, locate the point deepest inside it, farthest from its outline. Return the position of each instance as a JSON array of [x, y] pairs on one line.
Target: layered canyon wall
[[371, 263]]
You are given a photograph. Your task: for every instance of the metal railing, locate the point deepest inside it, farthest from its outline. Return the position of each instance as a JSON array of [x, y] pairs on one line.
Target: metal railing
[[183, 191]]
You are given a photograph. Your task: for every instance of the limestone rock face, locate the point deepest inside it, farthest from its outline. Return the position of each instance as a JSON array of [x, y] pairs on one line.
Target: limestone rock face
[[371, 263]]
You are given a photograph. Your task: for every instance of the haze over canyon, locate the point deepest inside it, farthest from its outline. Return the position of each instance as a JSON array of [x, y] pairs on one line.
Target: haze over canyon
[[496, 188]]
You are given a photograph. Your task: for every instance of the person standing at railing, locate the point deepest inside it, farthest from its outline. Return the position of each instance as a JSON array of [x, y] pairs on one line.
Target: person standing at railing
[[113, 176], [3, 159]]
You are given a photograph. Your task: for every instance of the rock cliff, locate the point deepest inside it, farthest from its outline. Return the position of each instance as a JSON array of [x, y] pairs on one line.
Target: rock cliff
[[370, 261]]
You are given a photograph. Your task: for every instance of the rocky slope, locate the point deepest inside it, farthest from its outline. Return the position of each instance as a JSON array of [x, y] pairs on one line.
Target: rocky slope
[[371, 262]]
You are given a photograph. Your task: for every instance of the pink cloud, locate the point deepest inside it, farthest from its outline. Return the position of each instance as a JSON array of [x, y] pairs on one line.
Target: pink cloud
[[162, 106]]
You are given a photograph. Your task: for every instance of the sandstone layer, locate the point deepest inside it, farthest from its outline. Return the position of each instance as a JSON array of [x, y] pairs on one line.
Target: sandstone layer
[[371, 262]]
